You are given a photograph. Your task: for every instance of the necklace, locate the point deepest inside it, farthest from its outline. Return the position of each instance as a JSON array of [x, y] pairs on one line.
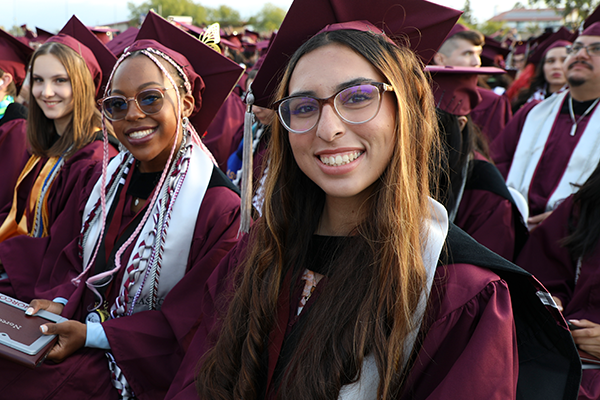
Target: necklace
[[572, 114]]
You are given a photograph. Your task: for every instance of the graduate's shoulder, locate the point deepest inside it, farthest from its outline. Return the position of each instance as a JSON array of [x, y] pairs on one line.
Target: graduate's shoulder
[[221, 200], [467, 268]]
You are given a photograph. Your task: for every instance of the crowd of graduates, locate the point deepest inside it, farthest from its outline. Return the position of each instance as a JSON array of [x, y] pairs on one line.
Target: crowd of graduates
[[372, 202]]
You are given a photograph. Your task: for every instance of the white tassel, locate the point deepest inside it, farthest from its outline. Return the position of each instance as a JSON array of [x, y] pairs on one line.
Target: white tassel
[[247, 165]]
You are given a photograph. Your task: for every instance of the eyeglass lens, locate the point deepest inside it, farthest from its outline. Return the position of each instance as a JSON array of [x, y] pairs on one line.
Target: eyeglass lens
[[592, 49], [356, 104], [149, 102]]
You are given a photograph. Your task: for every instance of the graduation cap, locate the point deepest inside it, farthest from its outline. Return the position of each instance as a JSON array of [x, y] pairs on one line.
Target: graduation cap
[[520, 47], [14, 56], [232, 41], [562, 35], [212, 75], [425, 26], [457, 29], [122, 41], [254, 36], [42, 35], [592, 19], [28, 32], [493, 53], [104, 34], [455, 88], [99, 60]]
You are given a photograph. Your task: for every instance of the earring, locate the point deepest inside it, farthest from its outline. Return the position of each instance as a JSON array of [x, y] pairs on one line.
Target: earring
[[184, 122]]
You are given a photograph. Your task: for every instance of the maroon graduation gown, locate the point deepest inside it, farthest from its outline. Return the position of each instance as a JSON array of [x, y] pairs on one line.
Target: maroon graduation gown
[[551, 263], [225, 132], [13, 157], [489, 219], [148, 346], [492, 114], [23, 256], [470, 324], [554, 159]]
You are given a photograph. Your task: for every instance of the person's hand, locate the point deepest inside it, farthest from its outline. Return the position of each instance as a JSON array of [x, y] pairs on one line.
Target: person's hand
[[40, 304], [587, 338], [558, 303], [71, 337], [533, 222]]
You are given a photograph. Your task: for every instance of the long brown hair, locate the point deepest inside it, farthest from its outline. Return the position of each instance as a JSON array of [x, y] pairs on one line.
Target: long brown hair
[[85, 118], [375, 283]]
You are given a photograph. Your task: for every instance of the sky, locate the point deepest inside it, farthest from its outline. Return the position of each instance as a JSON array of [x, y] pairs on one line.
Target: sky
[[51, 15]]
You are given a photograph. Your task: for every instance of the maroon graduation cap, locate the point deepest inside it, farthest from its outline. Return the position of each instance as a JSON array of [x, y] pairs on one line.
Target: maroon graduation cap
[[218, 73], [455, 88], [14, 56], [253, 36], [560, 38], [520, 47], [493, 53], [122, 41], [42, 35], [104, 34], [423, 25], [28, 32], [592, 19], [456, 29], [232, 41], [97, 56]]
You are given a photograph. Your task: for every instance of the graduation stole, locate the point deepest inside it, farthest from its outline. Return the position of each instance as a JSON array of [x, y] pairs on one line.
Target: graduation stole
[[160, 254], [433, 237], [38, 200], [532, 142]]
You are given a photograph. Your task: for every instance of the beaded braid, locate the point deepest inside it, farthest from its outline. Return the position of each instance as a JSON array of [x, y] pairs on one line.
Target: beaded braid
[[149, 52]]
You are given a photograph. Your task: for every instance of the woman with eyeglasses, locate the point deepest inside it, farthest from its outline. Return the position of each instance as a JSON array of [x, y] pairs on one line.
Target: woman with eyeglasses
[[343, 289], [64, 145], [154, 227]]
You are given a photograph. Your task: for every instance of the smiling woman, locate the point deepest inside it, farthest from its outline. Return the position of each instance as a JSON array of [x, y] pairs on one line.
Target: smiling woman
[[52, 90], [62, 152], [152, 230], [353, 284]]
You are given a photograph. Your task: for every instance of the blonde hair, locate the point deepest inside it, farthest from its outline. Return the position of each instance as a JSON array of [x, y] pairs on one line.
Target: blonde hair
[[86, 119]]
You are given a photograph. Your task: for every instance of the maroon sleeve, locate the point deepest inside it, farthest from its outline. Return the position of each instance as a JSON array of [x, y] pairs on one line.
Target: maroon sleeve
[[489, 219], [546, 258], [219, 287], [503, 147], [13, 156], [470, 349], [40, 267], [149, 346]]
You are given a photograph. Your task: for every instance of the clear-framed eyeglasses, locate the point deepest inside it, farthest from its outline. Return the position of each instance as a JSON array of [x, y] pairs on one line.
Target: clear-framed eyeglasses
[[354, 105], [593, 50]]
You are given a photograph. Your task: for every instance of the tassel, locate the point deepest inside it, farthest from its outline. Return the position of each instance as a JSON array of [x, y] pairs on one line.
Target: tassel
[[247, 166]]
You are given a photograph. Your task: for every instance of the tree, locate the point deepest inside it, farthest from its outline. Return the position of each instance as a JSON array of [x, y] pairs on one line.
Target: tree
[[467, 16], [168, 7], [580, 8], [490, 28], [225, 16], [268, 18]]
